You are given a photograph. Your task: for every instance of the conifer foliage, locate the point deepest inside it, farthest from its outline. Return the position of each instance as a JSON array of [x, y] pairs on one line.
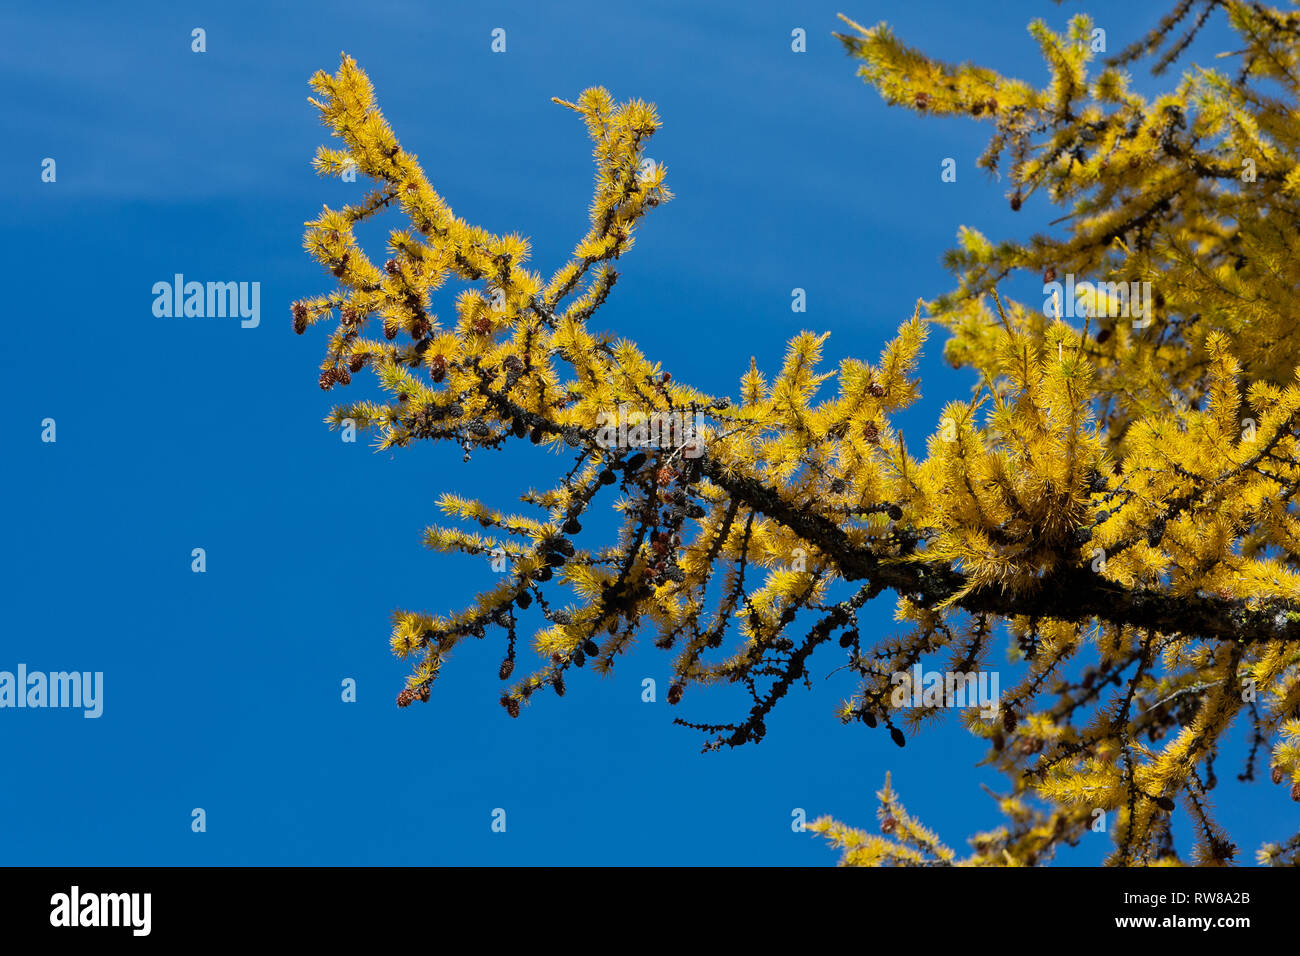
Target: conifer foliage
[[1115, 503]]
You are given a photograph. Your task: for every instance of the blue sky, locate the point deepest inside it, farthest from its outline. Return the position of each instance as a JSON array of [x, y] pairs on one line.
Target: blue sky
[[222, 689]]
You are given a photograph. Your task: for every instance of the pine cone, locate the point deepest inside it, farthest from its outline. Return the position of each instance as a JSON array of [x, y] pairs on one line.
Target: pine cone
[[405, 698]]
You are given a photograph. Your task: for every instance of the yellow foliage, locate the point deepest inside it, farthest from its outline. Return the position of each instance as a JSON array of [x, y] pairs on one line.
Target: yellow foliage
[[1116, 499]]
